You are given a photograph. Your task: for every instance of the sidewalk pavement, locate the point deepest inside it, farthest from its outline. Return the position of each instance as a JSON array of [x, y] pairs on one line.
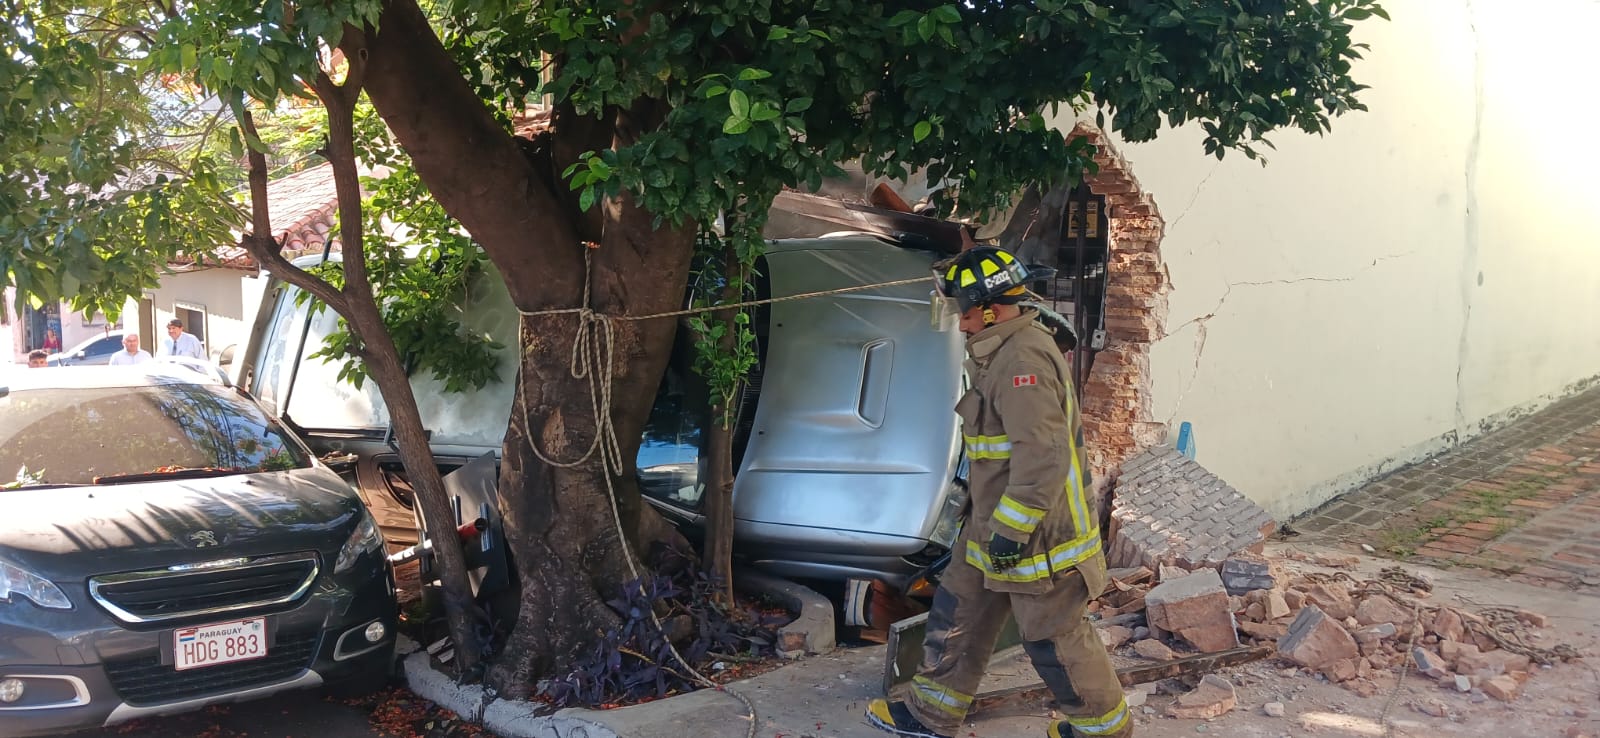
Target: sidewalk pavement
[[1523, 501], [825, 696]]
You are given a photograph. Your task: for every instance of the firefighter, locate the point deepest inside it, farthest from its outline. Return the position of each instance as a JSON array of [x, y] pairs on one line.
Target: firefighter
[[1031, 547]]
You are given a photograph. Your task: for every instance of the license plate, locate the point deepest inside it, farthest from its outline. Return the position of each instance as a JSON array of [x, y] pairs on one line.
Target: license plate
[[219, 643]]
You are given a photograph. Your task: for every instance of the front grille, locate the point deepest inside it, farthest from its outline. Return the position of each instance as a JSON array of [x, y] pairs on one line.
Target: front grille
[[145, 681], [212, 588]]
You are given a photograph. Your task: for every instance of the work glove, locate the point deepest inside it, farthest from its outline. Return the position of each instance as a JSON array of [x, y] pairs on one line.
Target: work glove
[[1004, 552]]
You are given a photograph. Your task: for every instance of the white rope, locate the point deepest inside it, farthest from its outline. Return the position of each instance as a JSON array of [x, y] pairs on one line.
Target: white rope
[[593, 351]]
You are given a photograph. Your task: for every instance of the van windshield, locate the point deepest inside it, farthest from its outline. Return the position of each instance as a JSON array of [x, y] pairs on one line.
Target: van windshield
[[105, 435]]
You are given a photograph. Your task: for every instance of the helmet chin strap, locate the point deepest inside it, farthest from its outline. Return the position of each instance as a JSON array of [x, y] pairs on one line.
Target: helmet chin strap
[[988, 315]]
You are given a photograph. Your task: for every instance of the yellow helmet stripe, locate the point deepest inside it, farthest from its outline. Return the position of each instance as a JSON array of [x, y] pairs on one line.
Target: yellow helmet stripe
[[968, 278], [989, 267]]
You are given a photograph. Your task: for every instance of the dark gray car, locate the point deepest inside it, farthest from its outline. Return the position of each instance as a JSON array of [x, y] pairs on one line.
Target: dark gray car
[[167, 545]]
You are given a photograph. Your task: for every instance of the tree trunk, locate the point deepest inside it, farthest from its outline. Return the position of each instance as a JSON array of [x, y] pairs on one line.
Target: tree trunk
[[559, 520], [719, 455]]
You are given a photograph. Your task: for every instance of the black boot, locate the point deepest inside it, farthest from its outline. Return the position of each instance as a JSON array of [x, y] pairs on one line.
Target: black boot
[[896, 718]]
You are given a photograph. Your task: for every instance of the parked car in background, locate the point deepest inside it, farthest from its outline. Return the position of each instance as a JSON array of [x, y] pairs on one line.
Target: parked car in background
[[91, 352], [169, 545], [847, 447]]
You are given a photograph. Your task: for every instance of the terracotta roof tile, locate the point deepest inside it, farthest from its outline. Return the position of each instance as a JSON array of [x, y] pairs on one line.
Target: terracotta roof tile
[[303, 206]]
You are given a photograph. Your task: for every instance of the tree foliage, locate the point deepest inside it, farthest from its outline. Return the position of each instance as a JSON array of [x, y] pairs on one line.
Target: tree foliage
[[675, 114]]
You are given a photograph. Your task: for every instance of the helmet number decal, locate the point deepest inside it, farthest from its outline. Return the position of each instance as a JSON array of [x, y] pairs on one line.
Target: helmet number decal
[[995, 280]]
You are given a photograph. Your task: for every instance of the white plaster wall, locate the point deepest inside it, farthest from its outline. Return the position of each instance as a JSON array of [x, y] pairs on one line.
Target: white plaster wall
[[230, 297], [1325, 321]]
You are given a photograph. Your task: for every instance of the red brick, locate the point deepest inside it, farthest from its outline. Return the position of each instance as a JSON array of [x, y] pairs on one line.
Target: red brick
[[1589, 550], [1549, 531], [1436, 552], [1484, 527], [1540, 504], [1511, 549], [1574, 558], [1545, 572], [1472, 533], [1453, 542]]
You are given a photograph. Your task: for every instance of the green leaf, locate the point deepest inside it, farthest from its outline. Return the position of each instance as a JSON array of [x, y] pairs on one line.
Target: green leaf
[[586, 199], [927, 27], [736, 126], [762, 111], [798, 105], [751, 73], [777, 33], [739, 103], [187, 56], [947, 14], [921, 131], [715, 90]]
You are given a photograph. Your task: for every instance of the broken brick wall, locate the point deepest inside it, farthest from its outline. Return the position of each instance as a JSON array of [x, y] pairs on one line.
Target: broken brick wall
[[1117, 415]]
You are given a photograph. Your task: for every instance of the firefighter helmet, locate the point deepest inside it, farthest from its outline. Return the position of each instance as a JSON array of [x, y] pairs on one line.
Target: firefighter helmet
[[985, 275]]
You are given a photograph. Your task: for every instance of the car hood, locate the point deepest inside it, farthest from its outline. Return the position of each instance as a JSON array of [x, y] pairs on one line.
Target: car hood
[[70, 533]]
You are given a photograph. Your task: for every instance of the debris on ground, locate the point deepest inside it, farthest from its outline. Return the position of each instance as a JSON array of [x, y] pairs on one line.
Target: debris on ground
[[1190, 559]]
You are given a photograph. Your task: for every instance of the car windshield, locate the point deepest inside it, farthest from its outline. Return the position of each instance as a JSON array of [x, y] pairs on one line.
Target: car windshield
[[105, 435]]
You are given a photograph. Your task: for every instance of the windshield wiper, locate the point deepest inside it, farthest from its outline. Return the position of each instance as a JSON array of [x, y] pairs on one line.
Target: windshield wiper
[[196, 473]]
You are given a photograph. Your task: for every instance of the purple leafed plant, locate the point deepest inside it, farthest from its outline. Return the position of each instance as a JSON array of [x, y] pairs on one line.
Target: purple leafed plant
[[633, 661]]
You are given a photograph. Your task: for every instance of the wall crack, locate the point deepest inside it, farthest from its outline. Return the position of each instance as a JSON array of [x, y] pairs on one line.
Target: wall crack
[[1201, 322]]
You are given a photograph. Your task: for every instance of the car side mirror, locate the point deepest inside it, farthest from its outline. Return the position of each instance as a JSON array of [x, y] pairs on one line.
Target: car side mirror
[[226, 357]]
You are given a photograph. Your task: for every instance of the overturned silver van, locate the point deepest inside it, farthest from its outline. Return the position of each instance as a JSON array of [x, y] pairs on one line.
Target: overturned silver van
[[848, 453]]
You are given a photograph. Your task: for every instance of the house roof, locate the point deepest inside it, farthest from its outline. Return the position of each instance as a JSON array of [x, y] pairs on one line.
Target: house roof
[[302, 205]]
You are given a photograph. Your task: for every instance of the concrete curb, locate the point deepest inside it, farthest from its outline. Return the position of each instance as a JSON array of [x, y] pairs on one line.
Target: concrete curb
[[507, 718], [812, 631]]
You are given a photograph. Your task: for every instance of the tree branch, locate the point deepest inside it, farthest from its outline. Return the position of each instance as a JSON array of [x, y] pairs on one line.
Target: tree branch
[[340, 102], [471, 164], [259, 242]]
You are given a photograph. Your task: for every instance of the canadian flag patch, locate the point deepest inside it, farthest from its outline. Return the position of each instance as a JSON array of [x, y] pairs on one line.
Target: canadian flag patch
[[1024, 380]]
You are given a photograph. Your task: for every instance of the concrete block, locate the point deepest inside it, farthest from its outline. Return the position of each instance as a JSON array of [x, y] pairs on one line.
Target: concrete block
[[1448, 625], [1153, 649], [1380, 609], [1196, 609], [1316, 640], [1503, 688], [1248, 573], [1429, 663], [1213, 697]]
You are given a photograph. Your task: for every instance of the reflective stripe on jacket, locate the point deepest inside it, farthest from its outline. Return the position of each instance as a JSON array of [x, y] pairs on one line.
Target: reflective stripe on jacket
[[1029, 470]]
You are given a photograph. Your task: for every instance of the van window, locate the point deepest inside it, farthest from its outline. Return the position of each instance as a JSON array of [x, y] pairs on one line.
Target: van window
[[321, 401]]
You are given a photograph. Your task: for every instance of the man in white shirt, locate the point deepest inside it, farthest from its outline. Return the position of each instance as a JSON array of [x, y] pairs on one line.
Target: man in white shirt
[[131, 353], [180, 343]]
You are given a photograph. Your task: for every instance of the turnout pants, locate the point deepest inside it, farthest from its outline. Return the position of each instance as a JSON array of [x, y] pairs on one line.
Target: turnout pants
[[964, 624]]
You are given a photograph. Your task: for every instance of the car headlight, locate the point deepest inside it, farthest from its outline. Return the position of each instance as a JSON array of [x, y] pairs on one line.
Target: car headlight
[[948, 526], [365, 538], [18, 582]]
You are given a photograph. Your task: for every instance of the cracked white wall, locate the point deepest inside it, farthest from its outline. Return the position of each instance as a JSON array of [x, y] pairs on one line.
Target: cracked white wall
[[1326, 318]]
